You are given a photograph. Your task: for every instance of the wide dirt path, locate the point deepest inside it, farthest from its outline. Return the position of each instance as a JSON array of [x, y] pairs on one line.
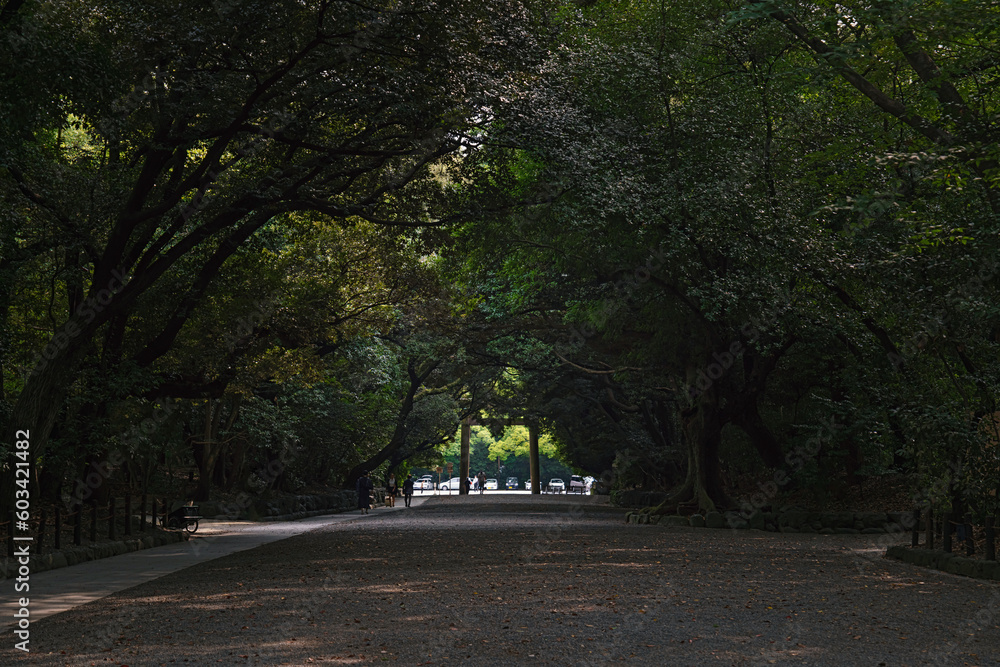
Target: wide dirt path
[[523, 580]]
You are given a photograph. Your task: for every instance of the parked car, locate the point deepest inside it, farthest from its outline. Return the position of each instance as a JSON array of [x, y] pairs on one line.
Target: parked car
[[425, 483], [452, 484], [576, 484], [492, 484], [511, 483], [556, 485]]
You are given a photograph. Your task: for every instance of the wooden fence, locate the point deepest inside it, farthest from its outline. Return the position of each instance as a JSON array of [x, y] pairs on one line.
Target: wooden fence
[[120, 518], [949, 528]]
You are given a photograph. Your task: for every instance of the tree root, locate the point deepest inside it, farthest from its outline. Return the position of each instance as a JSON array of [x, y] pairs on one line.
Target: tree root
[[687, 496]]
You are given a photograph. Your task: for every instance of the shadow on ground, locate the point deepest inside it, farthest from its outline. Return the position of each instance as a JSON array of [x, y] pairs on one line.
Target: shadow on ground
[[521, 579]]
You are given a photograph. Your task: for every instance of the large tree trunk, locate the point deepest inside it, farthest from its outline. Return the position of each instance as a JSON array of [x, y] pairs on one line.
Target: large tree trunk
[[41, 400], [749, 420], [208, 450], [703, 437], [702, 426], [237, 464], [224, 469]]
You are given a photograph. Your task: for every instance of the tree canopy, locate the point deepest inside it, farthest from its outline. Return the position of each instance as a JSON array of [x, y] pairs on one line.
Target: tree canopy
[[694, 241]]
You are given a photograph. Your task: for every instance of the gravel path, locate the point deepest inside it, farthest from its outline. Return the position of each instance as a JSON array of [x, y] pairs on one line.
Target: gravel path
[[520, 579]]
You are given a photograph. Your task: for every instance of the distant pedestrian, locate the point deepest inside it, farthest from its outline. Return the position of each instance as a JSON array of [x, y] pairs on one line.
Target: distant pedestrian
[[364, 489], [408, 490], [390, 491], [481, 478]]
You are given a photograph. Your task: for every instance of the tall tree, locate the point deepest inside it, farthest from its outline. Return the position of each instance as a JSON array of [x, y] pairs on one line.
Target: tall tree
[[716, 230], [197, 124]]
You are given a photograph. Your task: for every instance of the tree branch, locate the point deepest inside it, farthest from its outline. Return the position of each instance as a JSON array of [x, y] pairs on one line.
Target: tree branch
[[829, 56]]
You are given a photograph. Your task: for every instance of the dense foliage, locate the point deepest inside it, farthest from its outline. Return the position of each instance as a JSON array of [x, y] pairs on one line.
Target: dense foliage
[[696, 241]]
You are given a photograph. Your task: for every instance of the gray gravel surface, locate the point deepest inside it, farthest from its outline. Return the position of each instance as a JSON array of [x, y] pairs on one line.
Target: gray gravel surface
[[521, 580]]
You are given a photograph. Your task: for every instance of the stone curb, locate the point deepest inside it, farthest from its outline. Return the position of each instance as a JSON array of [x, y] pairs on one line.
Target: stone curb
[[94, 551], [946, 562]]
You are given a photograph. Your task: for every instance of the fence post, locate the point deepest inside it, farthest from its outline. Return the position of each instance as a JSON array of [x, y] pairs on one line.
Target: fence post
[[991, 547], [57, 541], [111, 518], [946, 532], [970, 544], [915, 535], [10, 534], [929, 539], [42, 520], [128, 515], [93, 520], [78, 525], [142, 514]]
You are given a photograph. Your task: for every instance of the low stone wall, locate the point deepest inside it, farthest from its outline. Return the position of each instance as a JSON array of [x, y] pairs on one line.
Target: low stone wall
[[946, 562], [281, 509], [788, 521], [81, 554]]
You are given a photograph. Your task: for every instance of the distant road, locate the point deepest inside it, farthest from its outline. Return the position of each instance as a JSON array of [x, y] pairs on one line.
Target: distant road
[[518, 492]]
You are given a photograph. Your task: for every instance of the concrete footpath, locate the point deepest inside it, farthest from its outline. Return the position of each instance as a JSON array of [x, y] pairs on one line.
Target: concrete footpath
[[58, 590]]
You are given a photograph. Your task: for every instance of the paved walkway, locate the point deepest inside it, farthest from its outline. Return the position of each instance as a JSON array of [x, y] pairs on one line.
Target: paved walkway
[[55, 591], [501, 580]]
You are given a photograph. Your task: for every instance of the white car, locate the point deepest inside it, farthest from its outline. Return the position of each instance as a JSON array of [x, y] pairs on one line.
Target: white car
[[451, 484], [556, 485], [492, 485], [424, 484]]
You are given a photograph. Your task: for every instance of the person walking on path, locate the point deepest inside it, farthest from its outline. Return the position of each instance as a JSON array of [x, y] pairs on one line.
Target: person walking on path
[[390, 491], [408, 490], [481, 478], [364, 488]]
